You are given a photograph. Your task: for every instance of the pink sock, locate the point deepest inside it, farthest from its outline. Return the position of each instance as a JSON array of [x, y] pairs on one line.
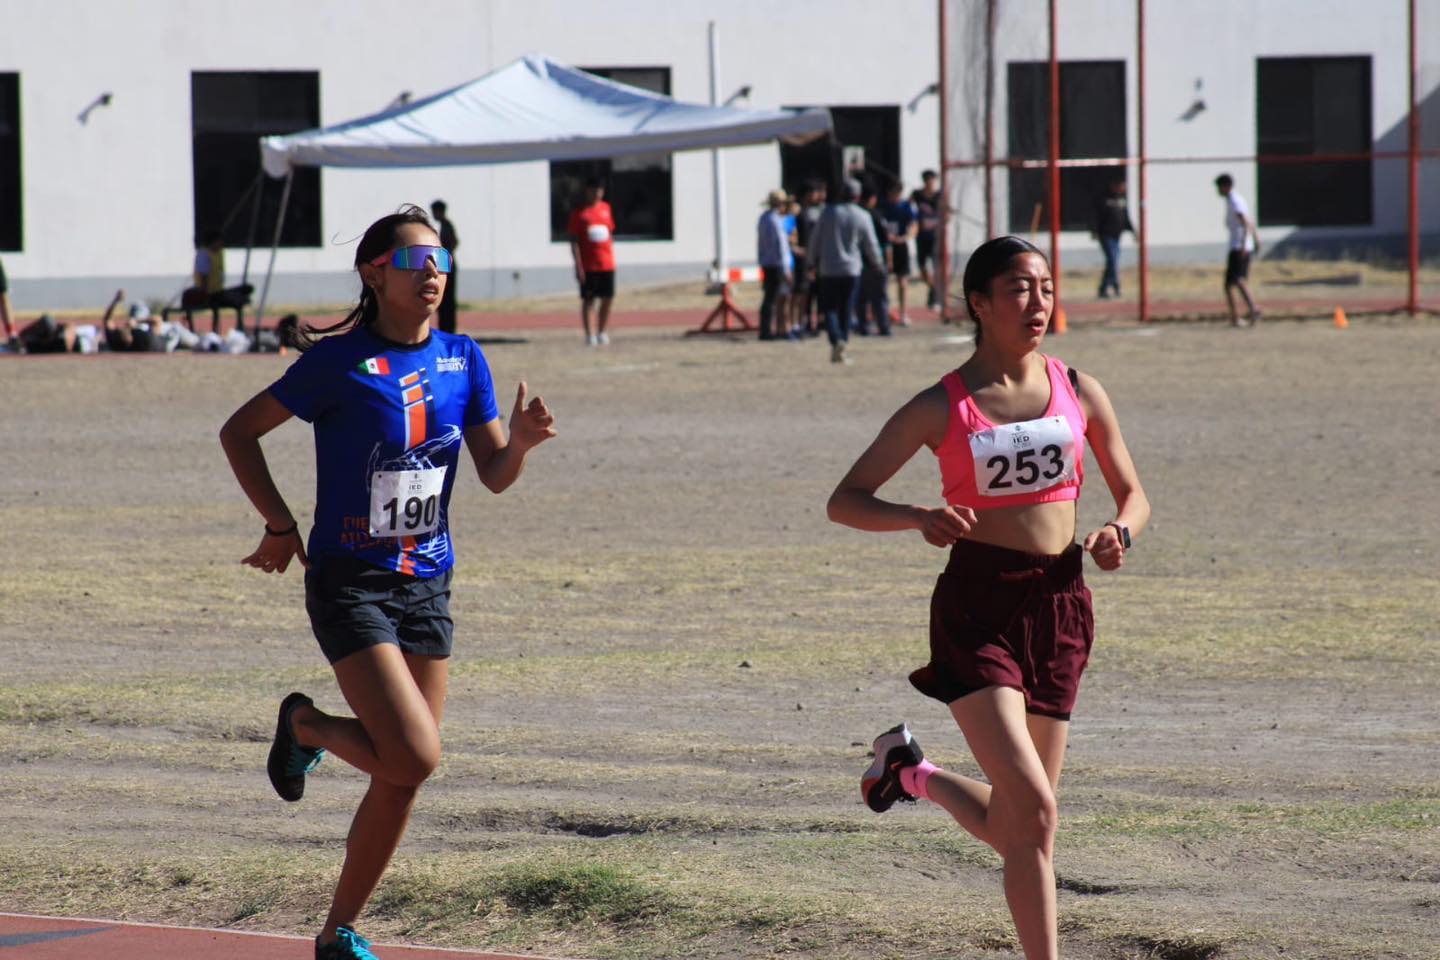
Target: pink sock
[[913, 779]]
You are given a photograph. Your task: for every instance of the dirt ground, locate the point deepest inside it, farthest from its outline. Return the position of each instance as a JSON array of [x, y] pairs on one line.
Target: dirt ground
[[1327, 281], [1175, 289], [670, 665]]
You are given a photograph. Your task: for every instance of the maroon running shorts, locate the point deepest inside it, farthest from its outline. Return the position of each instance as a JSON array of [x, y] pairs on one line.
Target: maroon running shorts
[[1004, 618]]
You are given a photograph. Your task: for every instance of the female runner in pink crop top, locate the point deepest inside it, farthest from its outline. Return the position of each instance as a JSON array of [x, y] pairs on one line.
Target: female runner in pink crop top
[[1010, 622]]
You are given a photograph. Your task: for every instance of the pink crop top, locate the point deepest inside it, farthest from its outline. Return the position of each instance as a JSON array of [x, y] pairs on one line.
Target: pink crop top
[[984, 465]]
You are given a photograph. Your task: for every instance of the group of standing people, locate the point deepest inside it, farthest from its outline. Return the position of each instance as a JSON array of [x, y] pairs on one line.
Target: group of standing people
[[393, 400], [828, 260]]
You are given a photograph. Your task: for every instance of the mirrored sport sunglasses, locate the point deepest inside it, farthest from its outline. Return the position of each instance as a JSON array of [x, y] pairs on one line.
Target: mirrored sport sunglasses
[[413, 258]]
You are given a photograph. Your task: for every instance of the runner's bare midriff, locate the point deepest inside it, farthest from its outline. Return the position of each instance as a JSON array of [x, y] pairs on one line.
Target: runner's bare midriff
[[1029, 528]]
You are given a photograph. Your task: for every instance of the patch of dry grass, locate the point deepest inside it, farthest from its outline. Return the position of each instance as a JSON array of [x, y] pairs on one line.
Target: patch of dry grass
[[669, 667]]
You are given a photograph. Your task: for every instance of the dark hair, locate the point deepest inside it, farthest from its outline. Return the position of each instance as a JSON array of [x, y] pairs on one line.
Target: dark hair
[[1224, 180], [595, 182], [989, 260], [287, 331], [377, 240], [928, 174], [438, 207]]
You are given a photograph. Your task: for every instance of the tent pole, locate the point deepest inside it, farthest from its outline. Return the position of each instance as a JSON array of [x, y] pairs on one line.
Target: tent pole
[[1054, 162], [259, 187], [1412, 299], [274, 245], [942, 266], [717, 172]]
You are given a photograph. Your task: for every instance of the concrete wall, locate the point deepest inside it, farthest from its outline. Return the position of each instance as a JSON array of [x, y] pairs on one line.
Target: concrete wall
[[108, 203], [1206, 51]]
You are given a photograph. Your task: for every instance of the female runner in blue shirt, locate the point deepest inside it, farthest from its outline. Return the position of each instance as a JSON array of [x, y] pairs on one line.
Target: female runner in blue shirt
[[390, 399], [1010, 619]]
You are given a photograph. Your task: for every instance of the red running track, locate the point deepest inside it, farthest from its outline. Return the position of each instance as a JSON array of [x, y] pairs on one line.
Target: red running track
[[25, 937]]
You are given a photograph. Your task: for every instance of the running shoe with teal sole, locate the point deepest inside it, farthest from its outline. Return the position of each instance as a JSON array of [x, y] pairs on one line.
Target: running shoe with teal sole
[[289, 762], [895, 749], [350, 946]]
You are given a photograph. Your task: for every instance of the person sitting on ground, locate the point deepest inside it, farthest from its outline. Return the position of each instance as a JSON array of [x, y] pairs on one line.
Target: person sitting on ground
[[209, 271], [131, 333], [12, 340], [46, 335], [208, 288]]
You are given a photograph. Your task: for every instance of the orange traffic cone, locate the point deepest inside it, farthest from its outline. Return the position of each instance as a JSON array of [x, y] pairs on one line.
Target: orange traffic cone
[[1340, 320], [1057, 323]]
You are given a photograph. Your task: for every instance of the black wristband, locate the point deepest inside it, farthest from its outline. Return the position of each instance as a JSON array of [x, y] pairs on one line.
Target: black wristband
[[281, 533]]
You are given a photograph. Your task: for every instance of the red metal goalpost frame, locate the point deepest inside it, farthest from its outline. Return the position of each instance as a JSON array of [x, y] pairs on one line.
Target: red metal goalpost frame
[[1412, 154]]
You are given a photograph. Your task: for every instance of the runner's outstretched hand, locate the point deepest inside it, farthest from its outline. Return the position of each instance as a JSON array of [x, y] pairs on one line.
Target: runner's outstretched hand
[[531, 423], [274, 553]]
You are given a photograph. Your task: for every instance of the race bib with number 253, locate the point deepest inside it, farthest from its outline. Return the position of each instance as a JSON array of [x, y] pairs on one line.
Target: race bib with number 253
[[1026, 457]]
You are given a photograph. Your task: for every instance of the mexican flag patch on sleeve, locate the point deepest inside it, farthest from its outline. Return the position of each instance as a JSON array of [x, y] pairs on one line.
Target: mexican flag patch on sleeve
[[374, 365]]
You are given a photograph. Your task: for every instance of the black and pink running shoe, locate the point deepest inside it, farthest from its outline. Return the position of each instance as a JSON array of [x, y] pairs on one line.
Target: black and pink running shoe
[[895, 749]]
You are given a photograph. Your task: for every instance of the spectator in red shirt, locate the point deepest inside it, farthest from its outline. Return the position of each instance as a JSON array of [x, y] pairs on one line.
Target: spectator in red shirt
[[592, 244]]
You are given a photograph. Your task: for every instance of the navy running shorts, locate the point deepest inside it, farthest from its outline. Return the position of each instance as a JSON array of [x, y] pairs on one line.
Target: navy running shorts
[[924, 248], [900, 259], [598, 285], [1004, 618], [1237, 267], [353, 605]]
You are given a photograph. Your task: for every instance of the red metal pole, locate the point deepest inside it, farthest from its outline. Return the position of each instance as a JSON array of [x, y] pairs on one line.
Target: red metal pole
[[1144, 244], [990, 119], [942, 268], [1412, 303], [1054, 162]]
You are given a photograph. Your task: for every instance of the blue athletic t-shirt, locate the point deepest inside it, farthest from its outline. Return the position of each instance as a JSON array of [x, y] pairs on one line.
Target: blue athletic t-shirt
[[389, 423], [898, 216]]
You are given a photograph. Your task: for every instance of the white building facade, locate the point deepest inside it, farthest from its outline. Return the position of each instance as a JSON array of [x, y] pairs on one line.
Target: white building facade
[[108, 199], [129, 125], [1226, 81]]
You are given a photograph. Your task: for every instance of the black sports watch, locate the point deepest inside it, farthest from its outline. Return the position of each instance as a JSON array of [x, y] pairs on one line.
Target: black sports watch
[[1123, 531]]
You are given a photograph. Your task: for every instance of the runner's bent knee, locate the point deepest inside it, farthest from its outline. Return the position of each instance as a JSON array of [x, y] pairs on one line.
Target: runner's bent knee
[[1030, 817], [409, 760]]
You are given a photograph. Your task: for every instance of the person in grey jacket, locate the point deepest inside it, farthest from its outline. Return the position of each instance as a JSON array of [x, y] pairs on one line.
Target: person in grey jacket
[[842, 243]]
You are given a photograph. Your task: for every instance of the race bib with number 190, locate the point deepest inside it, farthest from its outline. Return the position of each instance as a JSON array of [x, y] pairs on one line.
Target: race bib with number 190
[[404, 503], [1025, 457]]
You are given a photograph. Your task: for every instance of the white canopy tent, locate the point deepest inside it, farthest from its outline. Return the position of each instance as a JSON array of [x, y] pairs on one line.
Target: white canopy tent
[[532, 109]]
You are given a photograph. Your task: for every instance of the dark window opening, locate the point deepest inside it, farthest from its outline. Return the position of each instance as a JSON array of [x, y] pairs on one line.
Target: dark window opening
[[1306, 106], [11, 209], [1092, 125], [229, 112], [638, 187], [864, 143]]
